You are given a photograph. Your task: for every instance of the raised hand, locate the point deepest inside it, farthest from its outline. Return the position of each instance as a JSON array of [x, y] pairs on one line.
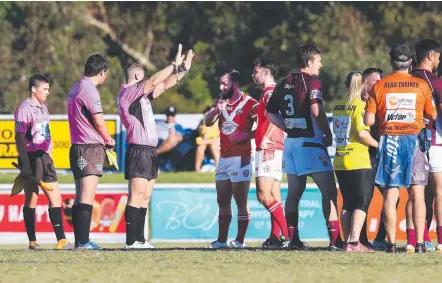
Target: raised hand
[[178, 57], [188, 61]]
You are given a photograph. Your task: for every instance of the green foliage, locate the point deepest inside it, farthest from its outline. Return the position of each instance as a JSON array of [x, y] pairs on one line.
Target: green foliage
[[55, 39]]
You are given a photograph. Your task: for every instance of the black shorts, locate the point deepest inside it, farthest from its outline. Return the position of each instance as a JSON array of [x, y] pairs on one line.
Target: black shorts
[[141, 161], [356, 188], [86, 160], [42, 166]]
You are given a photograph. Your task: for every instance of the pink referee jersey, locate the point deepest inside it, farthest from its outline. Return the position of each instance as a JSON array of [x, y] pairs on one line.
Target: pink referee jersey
[[136, 115], [84, 102], [33, 120]]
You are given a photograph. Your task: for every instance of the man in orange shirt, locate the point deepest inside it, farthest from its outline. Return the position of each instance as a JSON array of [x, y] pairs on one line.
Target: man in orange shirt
[[400, 102]]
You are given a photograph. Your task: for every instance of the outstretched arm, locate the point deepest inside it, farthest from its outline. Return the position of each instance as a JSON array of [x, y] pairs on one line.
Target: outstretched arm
[[174, 79], [163, 74]]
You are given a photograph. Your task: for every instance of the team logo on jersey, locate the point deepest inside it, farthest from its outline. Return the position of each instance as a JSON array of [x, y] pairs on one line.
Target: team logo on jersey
[[100, 167], [98, 102], [400, 116], [401, 100], [229, 127], [239, 112], [246, 173]]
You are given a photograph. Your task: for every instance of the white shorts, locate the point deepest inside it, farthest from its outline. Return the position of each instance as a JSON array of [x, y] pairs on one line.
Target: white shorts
[[303, 156], [268, 163], [435, 154], [236, 169]]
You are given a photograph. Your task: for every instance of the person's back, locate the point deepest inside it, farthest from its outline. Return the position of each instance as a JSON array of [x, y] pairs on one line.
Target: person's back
[[351, 153], [136, 114], [399, 101]]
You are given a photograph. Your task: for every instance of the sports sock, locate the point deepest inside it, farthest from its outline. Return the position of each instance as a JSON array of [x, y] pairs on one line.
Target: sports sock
[[223, 224], [57, 222], [243, 223], [29, 218], [84, 215], [411, 237], [278, 215], [333, 231], [439, 234], [426, 235], [131, 215], [74, 221], [292, 227], [140, 224], [275, 231]]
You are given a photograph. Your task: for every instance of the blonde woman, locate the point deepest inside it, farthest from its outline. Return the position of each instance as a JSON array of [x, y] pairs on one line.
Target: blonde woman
[[352, 161]]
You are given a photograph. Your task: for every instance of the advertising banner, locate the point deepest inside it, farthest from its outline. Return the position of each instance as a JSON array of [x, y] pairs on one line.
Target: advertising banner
[[107, 214], [60, 134], [179, 212], [192, 213]]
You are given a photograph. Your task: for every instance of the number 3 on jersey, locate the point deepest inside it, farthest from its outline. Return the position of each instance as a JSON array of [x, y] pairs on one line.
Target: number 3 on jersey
[[291, 109]]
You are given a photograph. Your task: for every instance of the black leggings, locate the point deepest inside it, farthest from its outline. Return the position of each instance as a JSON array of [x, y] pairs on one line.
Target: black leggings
[[356, 188]]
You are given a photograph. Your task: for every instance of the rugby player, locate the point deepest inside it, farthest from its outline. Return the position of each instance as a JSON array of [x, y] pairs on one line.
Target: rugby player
[[89, 137], [352, 161], [296, 107], [141, 160], [428, 58], [268, 158], [400, 101], [235, 112], [34, 146]]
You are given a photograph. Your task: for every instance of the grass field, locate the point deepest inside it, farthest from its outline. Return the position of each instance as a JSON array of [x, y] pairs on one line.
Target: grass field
[[181, 265], [182, 177]]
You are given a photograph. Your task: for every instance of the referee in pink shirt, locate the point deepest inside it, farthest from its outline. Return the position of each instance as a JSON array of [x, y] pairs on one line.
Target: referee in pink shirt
[[34, 146], [89, 137]]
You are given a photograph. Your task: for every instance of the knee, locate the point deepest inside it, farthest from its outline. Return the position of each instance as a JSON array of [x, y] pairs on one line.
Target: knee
[[223, 202], [265, 198], [243, 210]]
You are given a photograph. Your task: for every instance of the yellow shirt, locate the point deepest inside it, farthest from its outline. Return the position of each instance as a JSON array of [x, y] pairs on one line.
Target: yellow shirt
[[351, 153]]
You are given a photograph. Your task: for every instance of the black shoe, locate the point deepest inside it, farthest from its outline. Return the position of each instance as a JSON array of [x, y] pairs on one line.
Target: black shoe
[[420, 248], [267, 244], [391, 248], [334, 248], [299, 246]]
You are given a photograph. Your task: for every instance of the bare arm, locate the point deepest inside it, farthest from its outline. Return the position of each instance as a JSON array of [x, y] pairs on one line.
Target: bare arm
[[276, 119], [102, 129], [369, 119], [367, 139], [162, 75], [174, 78], [22, 153], [211, 117], [170, 82]]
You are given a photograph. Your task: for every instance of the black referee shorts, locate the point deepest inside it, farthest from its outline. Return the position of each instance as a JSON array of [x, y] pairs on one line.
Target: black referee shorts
[[141, 161]]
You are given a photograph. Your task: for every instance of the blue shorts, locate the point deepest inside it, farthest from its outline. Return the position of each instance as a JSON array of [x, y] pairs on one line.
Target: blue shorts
[[304, 156], [400, 162]]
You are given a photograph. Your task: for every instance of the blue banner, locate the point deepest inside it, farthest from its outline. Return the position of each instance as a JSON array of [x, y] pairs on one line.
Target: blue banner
[[193, 214]]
